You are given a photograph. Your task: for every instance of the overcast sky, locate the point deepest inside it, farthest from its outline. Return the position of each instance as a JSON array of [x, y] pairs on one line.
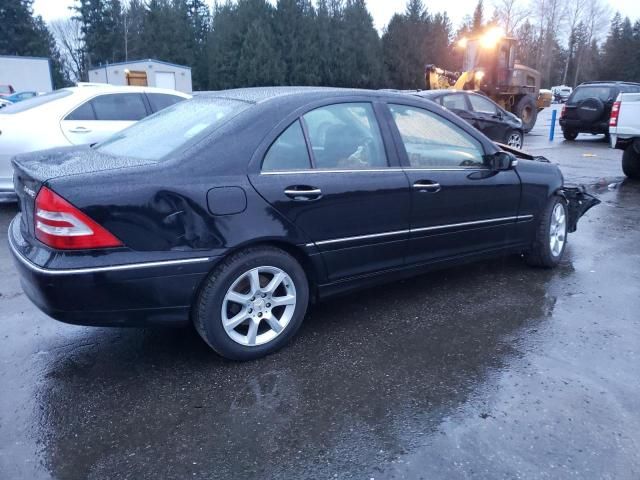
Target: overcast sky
[[382, 10]]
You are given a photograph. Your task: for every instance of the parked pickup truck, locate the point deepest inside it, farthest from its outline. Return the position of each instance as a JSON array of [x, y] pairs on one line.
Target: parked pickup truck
[[624, 128]]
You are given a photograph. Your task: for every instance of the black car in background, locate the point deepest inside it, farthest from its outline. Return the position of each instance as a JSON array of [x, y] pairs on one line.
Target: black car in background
[[235, 209], [481, 112], [588, 108]]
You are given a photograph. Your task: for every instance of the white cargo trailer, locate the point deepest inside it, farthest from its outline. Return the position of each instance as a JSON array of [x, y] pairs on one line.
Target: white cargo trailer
[[26, 73]]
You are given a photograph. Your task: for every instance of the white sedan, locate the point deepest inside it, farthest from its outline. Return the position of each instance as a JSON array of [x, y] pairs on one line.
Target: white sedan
[[73, 116]]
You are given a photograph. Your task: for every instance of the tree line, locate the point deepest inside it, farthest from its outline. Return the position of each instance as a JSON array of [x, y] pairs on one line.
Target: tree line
[[320, 42]]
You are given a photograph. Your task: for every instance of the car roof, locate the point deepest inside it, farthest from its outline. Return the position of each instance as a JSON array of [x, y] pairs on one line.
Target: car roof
[[90, 90], [609, 83], [265, 94]]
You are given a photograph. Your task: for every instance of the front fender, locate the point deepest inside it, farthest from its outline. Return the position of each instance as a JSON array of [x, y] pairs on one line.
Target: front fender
[[578, 203]]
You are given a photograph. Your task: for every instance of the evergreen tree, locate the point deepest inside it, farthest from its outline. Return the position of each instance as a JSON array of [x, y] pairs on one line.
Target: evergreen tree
[[360, 61], [103, 30], [477, 21], [133, 26], [200, 24], [295, 34], [22, 33], [259, 63], [413, 40], [230, 26]]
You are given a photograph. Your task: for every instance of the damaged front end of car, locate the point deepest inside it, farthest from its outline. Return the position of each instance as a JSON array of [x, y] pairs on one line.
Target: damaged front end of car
[[578, 203], [576, 196]]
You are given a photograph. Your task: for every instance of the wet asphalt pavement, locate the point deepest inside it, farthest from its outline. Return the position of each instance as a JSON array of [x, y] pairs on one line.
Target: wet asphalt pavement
[[493, 370]]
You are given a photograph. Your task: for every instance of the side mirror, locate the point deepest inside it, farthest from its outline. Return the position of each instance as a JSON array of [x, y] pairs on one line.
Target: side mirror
[[502, 161]]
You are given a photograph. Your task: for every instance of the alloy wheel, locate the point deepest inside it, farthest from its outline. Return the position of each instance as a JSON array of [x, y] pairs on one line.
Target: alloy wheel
[[258, 306], [557, 230], [515, 140]]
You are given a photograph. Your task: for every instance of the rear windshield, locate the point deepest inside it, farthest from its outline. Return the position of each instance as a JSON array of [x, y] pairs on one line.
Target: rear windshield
[[33, 102], [172, 129], [601, 92]]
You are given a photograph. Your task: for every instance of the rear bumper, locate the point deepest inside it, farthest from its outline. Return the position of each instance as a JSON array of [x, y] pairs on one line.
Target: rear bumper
[[135, 294], [582, 127]]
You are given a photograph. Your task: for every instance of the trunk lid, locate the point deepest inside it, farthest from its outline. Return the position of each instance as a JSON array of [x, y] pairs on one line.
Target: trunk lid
[[33, 170]]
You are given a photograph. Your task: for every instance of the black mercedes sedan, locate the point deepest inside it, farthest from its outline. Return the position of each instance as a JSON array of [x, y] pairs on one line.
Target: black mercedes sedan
[[481, 112], [237, 209]]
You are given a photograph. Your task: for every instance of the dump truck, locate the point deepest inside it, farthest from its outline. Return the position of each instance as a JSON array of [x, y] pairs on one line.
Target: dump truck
[[490, 67]]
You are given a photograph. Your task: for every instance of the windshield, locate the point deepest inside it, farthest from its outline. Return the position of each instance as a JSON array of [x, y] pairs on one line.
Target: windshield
[[182, 124], [5, 89], [33, 102], [601, 92]]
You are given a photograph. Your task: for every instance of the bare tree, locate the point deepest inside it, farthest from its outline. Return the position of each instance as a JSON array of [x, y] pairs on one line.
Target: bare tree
[[548, 15], [596, 17], [510, 14], [68, 35]]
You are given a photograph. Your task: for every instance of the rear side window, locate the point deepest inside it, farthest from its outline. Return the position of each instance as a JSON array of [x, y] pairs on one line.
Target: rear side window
[[345, 136], [288, 152], [160, 101], [119, 107], [83, 112], [432, 141]]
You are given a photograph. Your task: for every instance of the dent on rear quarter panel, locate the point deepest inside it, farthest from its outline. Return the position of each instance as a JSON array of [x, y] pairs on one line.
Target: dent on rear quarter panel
[[165, 209]]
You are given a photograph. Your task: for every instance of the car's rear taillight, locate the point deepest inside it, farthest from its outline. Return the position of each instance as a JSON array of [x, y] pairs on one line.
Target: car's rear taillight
[[564, 111], [62, 226], [615, 113]]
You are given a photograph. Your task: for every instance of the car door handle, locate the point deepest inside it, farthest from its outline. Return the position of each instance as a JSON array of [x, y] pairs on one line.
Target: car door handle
[[427, 186], [80, 130], [303, 192]]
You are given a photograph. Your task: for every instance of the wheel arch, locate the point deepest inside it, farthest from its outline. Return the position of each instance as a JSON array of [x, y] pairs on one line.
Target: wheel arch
[[303, 258]]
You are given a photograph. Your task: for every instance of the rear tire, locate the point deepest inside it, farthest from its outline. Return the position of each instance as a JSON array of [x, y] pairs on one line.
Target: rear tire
[[570, 135], [252, 303], [551, 235], [631, 163], [526, 110]]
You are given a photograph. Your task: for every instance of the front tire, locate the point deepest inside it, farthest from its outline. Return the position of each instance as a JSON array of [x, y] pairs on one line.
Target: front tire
[[514, 138], [631, 163], [252, 304], [551, 235]]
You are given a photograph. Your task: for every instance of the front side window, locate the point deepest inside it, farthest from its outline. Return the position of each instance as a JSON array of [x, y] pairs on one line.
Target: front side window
[[455, 101], [127, 107], [345, 136], [482, 105], [288, 152], [434, 142]]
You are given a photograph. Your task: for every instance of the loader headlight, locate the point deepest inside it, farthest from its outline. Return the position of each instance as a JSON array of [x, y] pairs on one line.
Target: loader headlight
[[479, 75], [491, 38]]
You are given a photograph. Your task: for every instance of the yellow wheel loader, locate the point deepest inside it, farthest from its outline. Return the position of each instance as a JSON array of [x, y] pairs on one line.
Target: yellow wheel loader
[[490, 67]]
